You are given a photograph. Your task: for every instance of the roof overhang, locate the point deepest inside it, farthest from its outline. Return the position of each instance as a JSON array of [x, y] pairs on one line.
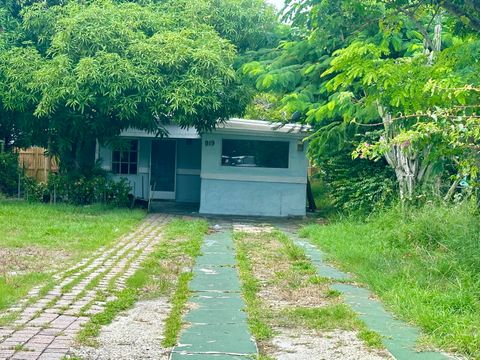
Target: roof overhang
[[247, 126], [231, 126]]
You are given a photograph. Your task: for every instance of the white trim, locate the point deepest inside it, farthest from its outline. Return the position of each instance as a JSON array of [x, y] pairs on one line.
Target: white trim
[[188, 171], [255, 178], [163, 195]]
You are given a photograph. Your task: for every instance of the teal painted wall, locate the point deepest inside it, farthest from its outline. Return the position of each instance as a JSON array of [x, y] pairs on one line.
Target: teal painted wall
[[188, 169]]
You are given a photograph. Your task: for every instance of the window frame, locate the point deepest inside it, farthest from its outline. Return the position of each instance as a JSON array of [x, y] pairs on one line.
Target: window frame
[[255, 167], [128, 162]]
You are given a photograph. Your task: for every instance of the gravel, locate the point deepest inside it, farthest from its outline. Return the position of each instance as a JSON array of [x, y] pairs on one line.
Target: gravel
[[289, 344], [137, 334]]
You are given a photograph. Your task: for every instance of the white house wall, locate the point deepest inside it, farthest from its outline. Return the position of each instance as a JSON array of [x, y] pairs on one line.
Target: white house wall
[[252, 190]]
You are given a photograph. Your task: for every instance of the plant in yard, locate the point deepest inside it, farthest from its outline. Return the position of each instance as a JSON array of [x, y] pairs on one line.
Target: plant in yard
[[9, 173]]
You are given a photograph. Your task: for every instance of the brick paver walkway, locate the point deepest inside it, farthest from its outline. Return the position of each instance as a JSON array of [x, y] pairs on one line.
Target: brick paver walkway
[[46, 325]]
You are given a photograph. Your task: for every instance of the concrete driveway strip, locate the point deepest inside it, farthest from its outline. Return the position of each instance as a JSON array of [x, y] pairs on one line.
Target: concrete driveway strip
[[218, 326]]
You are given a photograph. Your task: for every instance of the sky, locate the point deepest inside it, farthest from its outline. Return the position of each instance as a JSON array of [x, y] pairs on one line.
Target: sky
[[277, 3]]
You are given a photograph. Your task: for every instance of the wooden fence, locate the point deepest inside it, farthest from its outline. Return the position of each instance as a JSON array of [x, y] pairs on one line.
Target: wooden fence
[[36, 164]]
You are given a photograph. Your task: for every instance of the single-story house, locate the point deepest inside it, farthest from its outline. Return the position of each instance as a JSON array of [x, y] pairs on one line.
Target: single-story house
[[243, 167]]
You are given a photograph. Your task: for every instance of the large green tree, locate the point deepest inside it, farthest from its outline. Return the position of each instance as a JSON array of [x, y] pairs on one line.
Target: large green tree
[[398, 74], [86, 71]]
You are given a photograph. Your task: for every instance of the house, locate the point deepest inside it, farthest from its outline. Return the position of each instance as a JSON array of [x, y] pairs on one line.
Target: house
[[243, 167]]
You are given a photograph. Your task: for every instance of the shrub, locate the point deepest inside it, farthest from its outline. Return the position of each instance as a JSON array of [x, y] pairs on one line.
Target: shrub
[[9, 171], [357, 186], [34, 191], [94, 188]]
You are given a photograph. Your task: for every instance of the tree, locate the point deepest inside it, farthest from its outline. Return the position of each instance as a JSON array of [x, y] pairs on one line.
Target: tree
[[373, 69], [88, 71]]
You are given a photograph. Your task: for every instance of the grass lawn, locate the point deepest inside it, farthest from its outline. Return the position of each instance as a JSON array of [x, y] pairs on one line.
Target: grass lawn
[[38, 239], [423, 263]]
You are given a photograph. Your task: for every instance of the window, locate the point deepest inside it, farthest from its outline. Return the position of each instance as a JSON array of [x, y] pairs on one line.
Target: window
[[125, 158], [255, 153]]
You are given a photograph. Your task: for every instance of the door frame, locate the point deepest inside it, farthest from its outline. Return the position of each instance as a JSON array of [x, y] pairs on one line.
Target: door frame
[[164, 195]]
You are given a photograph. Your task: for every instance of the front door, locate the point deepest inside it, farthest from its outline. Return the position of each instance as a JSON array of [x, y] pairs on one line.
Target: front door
[[163, 169]]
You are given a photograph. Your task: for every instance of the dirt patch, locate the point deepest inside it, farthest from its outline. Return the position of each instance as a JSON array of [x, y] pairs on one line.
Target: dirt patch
[[253, 229], [18, 261], [277, 297], [290, 344], [137, 334], [281, 286]]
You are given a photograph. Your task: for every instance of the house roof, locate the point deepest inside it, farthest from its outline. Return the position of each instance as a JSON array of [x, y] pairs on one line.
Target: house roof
[[234, 125], [247, 125]]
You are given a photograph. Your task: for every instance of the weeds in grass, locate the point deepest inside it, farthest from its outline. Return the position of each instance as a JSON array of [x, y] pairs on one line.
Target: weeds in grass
[[371, 338], [297, 272], [337, 316], [173, 323], [77, 230], [259, 327], [423, 264], [180, 240]]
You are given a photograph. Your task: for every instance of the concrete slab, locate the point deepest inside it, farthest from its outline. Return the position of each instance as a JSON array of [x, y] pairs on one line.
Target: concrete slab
[[209, 259], [399, 337], [317, 258], [218, 338], [223, 279], [188, 356], [218, 325], [216, 316], [218, 300]]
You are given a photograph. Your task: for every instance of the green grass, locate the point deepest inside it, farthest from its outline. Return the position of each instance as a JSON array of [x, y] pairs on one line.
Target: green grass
[[173, 324], [75, 231], [331, 317], [423, 263], [257, 316], [180, 244]]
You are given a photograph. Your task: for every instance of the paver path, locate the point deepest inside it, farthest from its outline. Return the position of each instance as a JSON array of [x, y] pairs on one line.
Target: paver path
[[398, 337], [46, 325], [218, 325]]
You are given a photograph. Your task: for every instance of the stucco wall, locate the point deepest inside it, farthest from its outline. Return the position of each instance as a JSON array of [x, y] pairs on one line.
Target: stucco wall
[[252, 190]]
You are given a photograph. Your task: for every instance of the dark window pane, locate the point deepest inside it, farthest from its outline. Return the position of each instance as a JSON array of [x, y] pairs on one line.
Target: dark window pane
[[123, 168], [116, 156], [133, 157], [255, 153], [124, 156], [115, 168], [133, 168], [133, 145]]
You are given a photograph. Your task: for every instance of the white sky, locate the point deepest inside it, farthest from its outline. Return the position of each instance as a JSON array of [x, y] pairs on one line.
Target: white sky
[[278, 3]]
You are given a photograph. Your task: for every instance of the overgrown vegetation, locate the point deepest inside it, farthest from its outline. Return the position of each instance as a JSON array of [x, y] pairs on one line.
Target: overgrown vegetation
[[38, 240], [8, 173], [78, 189], [162, 274], [422, 262], [281, 289]]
